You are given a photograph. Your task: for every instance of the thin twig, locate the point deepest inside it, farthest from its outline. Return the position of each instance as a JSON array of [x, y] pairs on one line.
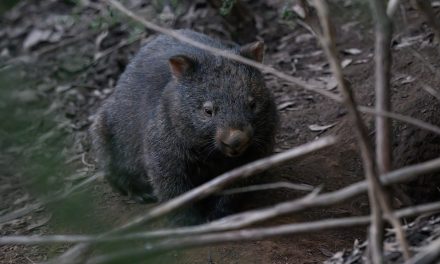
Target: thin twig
[[406, 119], [268, 186], [431, 91], [173, 233], [383, 60], [252, 235], [121, 44], [374, 189]]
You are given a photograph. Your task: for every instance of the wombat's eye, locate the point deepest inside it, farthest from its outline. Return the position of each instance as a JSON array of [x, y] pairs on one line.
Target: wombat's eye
[[208, 109]]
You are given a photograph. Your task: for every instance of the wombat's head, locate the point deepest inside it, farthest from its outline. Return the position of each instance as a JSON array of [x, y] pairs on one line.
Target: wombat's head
[[222, 104]]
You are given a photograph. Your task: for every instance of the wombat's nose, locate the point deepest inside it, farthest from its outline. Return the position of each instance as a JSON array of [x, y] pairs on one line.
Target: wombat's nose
[[234, 141]]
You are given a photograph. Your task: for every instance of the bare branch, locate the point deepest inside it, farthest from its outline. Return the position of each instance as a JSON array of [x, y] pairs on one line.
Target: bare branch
[[407, 119], [268, 186], [378, 197], [383, 62], [432, 91], [328, 44], [327, 224], [253, 234], [382, 57]]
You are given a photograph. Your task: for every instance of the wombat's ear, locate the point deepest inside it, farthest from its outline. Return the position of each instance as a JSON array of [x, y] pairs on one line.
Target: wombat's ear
[[254, 51], [180, 65]]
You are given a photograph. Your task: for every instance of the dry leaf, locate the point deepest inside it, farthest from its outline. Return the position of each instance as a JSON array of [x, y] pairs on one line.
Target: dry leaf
[[352, 51], [304, 37], [405, 42], [317, 128], [35, 37], [299, 10], [346, 62], [316, 67], [285, 105], [361, 61], [408, 79], [328, 83], [100, 38]]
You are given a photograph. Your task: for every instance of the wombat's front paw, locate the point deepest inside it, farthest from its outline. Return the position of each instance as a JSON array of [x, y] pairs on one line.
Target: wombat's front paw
[[133, 186], [143, 198], [186, 217]]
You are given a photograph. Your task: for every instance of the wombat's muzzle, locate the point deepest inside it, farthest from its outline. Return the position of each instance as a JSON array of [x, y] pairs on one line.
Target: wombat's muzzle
[[233, 142]]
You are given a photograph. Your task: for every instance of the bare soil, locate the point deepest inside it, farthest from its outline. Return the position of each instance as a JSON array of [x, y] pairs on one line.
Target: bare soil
[[75, 80]]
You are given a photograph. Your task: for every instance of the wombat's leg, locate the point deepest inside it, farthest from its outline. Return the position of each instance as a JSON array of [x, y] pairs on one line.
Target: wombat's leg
[[219, 206], [100, 140], [140, 189], [169, 180], [225, 205], [134, 184]]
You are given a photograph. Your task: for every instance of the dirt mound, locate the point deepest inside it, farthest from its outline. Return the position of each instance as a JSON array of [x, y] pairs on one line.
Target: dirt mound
[[414, 145]]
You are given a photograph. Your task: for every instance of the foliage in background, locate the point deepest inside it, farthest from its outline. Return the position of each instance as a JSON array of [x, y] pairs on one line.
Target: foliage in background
[[34, 148], [5, 5]]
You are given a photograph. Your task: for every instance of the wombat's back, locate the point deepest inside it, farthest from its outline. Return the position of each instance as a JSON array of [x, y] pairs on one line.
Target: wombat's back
[[148, 73]]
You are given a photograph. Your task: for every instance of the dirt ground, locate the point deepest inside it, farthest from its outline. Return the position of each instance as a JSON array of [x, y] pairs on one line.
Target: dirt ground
[[72, 54]]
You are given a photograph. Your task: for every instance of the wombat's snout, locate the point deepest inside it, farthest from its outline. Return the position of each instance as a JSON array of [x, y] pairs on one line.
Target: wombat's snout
[[233, 142]]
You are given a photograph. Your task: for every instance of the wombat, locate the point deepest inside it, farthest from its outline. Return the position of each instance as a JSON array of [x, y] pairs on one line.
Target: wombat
[[180, 116]]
